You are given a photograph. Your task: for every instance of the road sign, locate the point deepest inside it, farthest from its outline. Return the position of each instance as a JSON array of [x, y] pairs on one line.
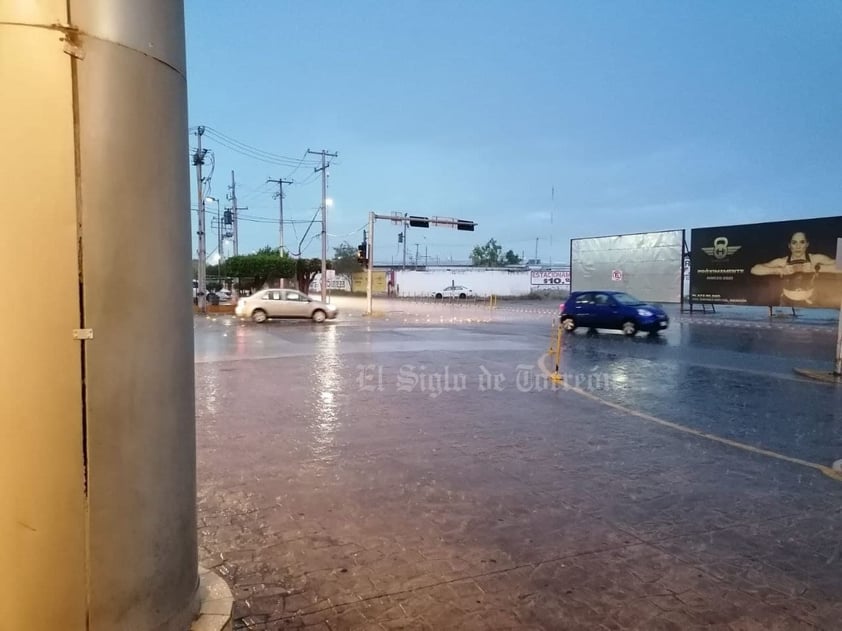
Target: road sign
[[617, 274]]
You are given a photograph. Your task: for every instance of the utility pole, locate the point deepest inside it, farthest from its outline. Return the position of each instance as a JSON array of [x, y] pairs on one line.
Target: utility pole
[[234, 214], [536, 249], [198, 161], [280, 184], [416, 255], [323, 169], [370, 254]]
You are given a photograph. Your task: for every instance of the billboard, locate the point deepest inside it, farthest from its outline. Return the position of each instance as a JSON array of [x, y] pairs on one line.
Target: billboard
[[550, 279], [359, 282], [781, 263], [647, 265]]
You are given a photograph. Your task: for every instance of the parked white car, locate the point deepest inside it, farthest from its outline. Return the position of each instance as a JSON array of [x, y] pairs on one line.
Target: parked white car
[[454, 291]]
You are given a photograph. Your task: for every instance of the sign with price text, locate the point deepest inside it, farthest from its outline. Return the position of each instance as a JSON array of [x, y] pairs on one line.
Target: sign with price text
[[550, 279]]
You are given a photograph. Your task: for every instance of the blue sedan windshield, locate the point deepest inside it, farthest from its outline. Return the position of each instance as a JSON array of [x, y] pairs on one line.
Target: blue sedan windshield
[[625, 299]]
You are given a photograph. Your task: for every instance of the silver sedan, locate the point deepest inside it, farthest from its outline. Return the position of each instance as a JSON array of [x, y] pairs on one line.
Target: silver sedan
[[284, 303]]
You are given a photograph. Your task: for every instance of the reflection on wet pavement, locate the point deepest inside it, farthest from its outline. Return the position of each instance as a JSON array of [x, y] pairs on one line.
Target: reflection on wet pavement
[[381, 474], [326, 370]]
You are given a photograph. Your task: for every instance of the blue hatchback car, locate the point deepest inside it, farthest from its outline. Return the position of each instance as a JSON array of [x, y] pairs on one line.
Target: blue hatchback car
[[611, 310]]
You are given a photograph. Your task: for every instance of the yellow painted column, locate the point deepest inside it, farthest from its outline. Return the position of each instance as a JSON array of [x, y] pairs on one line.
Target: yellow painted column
[[97, 482]]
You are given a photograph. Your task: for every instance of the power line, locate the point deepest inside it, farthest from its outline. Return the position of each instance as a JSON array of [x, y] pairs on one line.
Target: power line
[[255, 153], [264, 219], [348, 234]]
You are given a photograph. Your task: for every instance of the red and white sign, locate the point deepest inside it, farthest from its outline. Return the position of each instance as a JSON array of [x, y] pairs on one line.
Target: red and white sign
[[550, 279], [617, 274]]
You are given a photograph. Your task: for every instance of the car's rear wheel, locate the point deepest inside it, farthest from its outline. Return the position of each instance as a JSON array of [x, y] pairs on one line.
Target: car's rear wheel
[[462, 296], [629, 328], [439, 296], [259, 316], [319, 315], [568, 324]]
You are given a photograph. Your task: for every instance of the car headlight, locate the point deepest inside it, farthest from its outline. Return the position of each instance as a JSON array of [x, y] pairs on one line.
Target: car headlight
[[645, 313]]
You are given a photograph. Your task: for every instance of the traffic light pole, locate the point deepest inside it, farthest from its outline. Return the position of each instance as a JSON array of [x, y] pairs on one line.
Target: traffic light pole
[[370, 254], [417, 222]]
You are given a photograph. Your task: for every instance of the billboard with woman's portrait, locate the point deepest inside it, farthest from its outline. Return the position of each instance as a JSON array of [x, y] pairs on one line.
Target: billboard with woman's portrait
[[781, 263]]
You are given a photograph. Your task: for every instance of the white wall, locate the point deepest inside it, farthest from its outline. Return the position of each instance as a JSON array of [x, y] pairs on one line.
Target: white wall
[[340, 282], [483, 282]]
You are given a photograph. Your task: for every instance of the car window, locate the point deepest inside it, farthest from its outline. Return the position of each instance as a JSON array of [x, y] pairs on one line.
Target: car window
[[272, 295], [626, 299], [602, 299], [294, 295], [584, 299]]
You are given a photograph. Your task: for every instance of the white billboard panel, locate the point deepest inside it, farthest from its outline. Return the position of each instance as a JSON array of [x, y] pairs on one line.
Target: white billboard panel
[[647, 265]]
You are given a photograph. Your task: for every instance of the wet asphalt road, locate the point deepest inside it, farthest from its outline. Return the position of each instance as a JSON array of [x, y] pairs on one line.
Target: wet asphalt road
[[734, 379], [417, 470]]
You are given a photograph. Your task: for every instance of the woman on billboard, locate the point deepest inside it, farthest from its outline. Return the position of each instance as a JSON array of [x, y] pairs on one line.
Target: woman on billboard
[[798, 270]]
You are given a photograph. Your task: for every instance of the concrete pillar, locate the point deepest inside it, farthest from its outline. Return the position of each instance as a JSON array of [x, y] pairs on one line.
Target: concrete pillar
[[97, 476]]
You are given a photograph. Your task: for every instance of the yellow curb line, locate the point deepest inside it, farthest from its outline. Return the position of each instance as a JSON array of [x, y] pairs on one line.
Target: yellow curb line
[[828, 471]]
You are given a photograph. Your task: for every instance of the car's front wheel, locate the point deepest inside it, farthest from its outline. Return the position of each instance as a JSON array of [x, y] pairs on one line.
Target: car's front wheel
[[259, 316], [462, 296], [568, 324], [319, 315], [629, 328], [439, 296]]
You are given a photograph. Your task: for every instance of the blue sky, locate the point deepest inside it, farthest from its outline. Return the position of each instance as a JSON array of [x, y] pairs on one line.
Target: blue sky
[[536, 119]]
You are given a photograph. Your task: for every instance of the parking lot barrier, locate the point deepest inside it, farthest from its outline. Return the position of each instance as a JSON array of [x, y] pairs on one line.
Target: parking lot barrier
[[555, 349]]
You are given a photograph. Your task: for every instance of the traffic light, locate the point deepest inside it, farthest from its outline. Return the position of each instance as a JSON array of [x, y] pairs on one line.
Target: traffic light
[[461, 224], [228, 217], [400, 237], [419, 222], [362, 254]]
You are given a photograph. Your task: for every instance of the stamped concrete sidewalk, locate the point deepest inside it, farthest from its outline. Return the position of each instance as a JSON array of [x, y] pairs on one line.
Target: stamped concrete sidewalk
[[331, 499]]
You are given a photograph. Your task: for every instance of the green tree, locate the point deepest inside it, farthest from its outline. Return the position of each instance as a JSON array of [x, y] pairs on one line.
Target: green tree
[[488, 255], [345, 259], [255, 270], [511, 258], [306, 270]]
